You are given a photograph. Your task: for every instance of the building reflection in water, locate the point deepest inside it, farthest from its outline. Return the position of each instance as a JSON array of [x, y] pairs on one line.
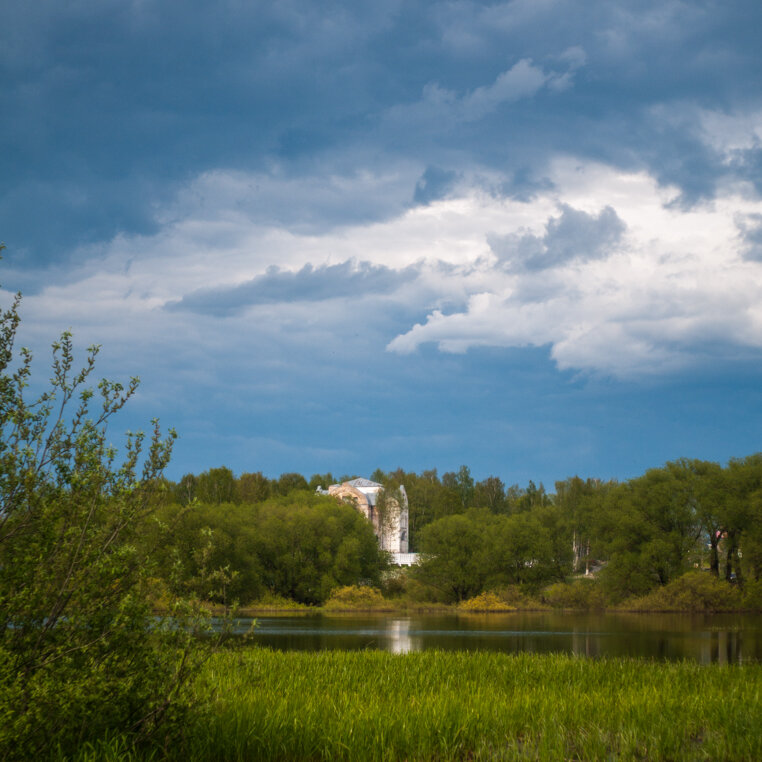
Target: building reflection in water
[[585, 644], [399, 638]]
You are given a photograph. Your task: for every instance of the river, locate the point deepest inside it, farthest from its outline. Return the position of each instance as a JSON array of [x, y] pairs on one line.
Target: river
[[720, 638]]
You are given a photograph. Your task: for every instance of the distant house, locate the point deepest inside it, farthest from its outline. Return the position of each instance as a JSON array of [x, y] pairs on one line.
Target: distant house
[[388, 514]]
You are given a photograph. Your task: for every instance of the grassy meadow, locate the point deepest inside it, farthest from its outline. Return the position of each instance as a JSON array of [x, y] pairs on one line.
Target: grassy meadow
[[258, 704]]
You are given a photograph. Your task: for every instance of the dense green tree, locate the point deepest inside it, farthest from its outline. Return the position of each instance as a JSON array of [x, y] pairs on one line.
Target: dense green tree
[[520, 551], [467, 553], [740, 518], [581, 503], [649, 526], [704, 488], [185, 489], [299, 546], [321, 480], [217, 485], [490, 493], [77, 656], [454, 550], [531, 497], [462, 484], [423, 494], [290, 482], [752, 540], [253, 488]]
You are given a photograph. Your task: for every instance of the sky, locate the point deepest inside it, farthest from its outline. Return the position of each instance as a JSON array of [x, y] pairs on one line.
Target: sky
[[523, 236]]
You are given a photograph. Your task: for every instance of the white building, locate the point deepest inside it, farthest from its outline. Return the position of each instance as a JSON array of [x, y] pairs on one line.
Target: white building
[[387, 513]]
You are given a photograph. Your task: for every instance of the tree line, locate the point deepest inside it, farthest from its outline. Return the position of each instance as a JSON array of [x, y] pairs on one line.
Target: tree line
[[280, 538]]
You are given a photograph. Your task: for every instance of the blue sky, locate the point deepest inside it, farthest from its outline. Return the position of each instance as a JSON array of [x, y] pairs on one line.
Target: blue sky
[[525, 236]]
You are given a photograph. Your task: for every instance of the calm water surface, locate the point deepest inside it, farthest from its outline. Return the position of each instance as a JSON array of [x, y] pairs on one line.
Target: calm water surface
[[723, 638]]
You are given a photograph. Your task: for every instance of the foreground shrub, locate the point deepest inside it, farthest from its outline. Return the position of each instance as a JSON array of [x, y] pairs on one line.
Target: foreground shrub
[[355, 597], [81, 657]]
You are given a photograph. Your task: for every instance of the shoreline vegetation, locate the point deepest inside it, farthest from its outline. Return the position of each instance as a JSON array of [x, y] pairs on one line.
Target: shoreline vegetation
[[683, 537], [693, 593], [260, 704]]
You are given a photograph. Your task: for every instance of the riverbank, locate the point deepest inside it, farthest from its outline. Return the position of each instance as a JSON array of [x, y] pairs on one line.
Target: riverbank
[[266, 705], [694, 592]]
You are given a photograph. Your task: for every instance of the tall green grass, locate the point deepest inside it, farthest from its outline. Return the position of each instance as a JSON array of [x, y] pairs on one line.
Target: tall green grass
[[258, 704], [266, 705]]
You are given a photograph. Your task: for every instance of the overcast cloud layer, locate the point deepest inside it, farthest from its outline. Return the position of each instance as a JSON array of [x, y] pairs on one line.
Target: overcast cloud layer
[[526, 236]]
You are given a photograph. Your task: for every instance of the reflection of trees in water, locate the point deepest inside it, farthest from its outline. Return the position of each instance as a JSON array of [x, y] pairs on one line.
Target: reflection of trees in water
[[707, 639], [726, 647]]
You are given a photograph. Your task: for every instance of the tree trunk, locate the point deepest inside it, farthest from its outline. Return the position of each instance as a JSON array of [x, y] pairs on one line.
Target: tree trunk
[[729, 562], [714, 557]]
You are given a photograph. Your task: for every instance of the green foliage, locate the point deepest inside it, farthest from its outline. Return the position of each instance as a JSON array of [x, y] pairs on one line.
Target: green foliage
[[579, 594], [321, 480], [253, 488], [650, 532], [78, 658], [216, 486], [299, 547], [695, 591], [752, 595], [453, 549], [467, 553], [440, 705], [644, 533], [484, 602], [288, 483], [275, 602], [626, 575], [462, 484], [355, 597], [490, 493]]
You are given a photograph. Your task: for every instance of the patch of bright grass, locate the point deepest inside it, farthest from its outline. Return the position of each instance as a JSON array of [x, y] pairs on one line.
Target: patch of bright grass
[[258, 704], [435, 705]]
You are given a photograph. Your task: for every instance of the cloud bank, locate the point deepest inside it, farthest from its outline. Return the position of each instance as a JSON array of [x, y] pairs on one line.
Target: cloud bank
[[299, 220], [602, 268]]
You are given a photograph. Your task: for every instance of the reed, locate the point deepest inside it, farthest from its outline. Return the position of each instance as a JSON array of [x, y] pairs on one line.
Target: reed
[[267, 705]]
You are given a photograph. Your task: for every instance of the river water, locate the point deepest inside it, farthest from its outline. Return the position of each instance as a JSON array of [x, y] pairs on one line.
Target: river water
[[722, 638]]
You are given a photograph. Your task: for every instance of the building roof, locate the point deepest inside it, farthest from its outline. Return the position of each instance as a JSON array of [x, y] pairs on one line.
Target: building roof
[[364, 483]]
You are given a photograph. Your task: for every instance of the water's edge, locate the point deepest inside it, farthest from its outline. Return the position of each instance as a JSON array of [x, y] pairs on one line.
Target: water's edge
[[704, 638]]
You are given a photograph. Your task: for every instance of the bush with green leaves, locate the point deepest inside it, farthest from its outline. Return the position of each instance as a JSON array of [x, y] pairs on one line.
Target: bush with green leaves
[[695, 591], [577, 594], [485, 602], [80, 655], [356, 597]]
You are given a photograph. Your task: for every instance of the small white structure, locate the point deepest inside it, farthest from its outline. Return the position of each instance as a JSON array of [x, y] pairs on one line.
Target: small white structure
[[387, 513]]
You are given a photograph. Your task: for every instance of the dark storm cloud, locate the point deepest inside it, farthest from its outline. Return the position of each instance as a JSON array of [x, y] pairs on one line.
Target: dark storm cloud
[[524, 186], [348, 280], [435, 183], [748, 164], [107, 108], [573, 234]]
